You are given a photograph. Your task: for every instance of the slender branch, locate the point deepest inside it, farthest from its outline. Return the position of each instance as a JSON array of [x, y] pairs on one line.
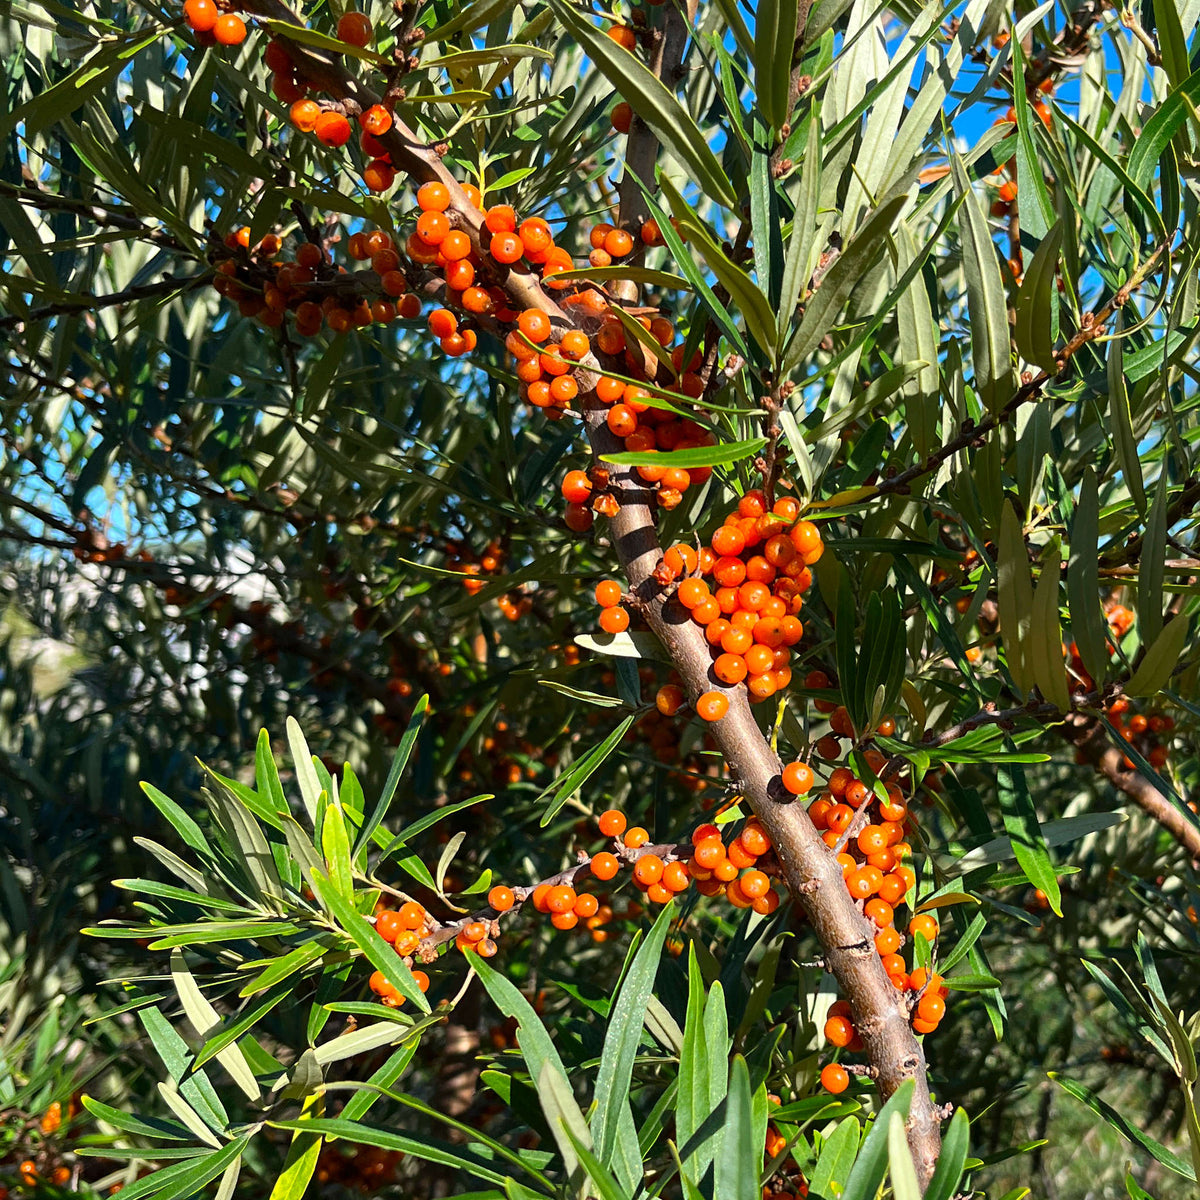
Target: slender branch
[[1093, 327], [102, 214], [88, 303], [1087, 736]]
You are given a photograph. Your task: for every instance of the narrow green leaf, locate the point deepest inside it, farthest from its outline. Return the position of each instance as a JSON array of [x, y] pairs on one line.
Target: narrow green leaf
[[1014, 598], [836, 1160], [900, 1162], [204, 1019], [774, 33], [749, 297], [856, 259], [425, 1148], [986, 303], [1150, 566], [301, 1162], [1083, 581], [1036, 300], [720, 455], [306, 775], [948, 1172], [1028, 842], [335, 844], [624, 1033], [740, 1163], [399, 762], [1106, 1112], [1161, 659], [871, 1164], [560, 791], [1046, 635], [1122, 422]]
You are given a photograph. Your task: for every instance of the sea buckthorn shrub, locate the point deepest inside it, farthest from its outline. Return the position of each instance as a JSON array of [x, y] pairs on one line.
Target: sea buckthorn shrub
[[830, 777]]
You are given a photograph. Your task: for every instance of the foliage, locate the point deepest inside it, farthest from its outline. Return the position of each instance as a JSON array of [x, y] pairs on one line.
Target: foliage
[[939, 268]]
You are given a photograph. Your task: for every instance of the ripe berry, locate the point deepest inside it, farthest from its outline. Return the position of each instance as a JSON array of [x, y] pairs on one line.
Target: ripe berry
[[229, 29], [834, 1078], [304, 114], [798, 778], [622, 117], [925, 925], [669, 699], [612, 823], [501, 898], [505, 248], [379, 175], [648, 869], [605, 865], [576, 486], [561, 898], [712, 706], [355, 29], [635, 837], [433, 197], [332, 129], [839, 1030], [376, 120], [201, 14]]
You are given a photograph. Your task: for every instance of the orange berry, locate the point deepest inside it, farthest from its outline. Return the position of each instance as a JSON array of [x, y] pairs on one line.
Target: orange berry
[[755, 840], [201, 14], [712, 706], [412, 915], [839, 1031], [709, 851], [388, 925], [621, 117], [608, 593], [501, 898], [564, 920], [798, 778], [332, 129], [534, 324], [648, 869], [505, 247], [229, 30], [576, 486], [623, 35], [355, 29], [433, 197], [669, 699], [612, 823], [834, 1078], [635, 837], [925, 925], [605, 866], [675, 877], [614, 620], [754, 884]]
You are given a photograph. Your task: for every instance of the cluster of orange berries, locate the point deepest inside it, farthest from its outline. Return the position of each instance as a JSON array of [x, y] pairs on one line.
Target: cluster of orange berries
[[876, 875], [1140, 728], [402, 929], [714, 867], [759, 562], [212, 26], [311, 288], [367, 1168]]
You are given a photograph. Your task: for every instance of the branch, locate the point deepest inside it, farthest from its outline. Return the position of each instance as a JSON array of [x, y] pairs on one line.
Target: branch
[[1086, 735], [88, 303], [102, 214], [1093, 327]]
